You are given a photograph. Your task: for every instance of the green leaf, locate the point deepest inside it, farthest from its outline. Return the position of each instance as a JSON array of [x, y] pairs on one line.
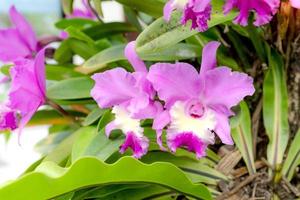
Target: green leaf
[[93, 116], [82, 48], [67, 6], [94, 143], [63, 53], [108, 29], [44, 117], [151, 7], [293, 158], [101, 59], [242, 136], [78, 23], [58, 72], [64, 149], [161, 34], [73, 88], [51, 180], [79, 35], [275, 109]]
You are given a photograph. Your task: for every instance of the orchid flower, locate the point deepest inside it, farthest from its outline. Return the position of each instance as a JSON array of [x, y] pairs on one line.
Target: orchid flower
[[295, 3], [8, 118], [198, 11], [197, 104], [131, 97], [264, 10], [85, 12], [19, 41], [27, 92]]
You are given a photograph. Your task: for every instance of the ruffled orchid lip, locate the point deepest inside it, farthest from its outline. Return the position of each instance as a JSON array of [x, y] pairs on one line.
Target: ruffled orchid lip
[[189, 141], [139, 145], [195, 109]]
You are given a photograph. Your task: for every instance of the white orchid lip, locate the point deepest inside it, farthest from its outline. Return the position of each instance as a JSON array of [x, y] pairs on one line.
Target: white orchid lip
[[181, 122], [125, 122], [179, 4]]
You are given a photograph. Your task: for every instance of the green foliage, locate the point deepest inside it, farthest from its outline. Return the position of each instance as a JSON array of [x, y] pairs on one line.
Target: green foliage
[[242, 136], [275, 109], [50, 180]]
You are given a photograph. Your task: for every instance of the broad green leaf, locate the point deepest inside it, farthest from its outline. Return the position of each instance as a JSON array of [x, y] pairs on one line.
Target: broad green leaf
[[108, 29], [242, 136], [79, 35], [93, 116], [57, 72], [151, 7], [94, 143], [63, 53], [82, 48], [179, 51], [75, 22], [161, 34], [67, 6], [45, 117], [196, 170], [73, 88], [50, 180], [275, 109], [293, 158], [132, 17], [64, 149], [101, 59]]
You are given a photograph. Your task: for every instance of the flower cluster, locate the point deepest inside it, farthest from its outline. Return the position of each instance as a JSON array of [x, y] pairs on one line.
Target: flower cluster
[[192, 106], [199, 11], [28, 83]]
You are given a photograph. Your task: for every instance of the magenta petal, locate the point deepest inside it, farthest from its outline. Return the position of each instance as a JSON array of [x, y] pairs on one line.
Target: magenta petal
[[8, 119], [224, 87], [223, 128], [131, 55], [159, 123], [12, 46], [174, 82], [209, 57], [138, 144], [39, 71], [188, 140], [168, 9], [24, 28], [295, 3], [117, 86]]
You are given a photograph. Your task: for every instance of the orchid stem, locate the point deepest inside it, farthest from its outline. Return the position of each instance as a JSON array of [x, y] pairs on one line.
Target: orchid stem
[[59, 109]]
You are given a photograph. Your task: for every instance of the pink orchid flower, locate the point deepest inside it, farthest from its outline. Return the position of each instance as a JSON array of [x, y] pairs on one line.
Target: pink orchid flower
[[19, 41], [264, 10], [27, 92], [8, 118], [198, 11], [131, 97], [295, 3], [85, 12], [197, 104]]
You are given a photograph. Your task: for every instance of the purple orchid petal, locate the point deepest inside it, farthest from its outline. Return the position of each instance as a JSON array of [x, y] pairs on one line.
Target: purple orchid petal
[[12, 46], [174, 82], [24, 28], [188, 140], [295, 3], [133, 58], [8, 118], [199, 12], [223, 128], [27, 92], [224, 87], [110, 127], [85, 12], [159, 123], [139, 145], [209, 57], [168, 9], [265, 9], [117, 86]]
